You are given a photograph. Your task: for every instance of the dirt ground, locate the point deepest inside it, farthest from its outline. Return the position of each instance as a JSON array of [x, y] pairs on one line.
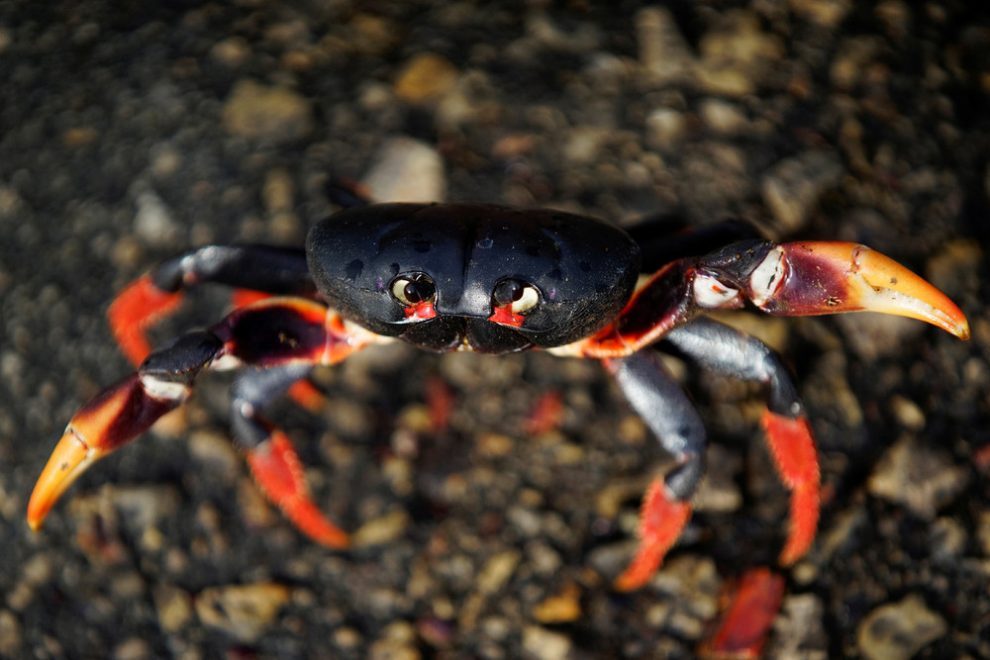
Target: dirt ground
[[131, 131]]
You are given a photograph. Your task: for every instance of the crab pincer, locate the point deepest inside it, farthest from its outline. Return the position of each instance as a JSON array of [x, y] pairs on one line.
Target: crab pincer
[[829, 277]]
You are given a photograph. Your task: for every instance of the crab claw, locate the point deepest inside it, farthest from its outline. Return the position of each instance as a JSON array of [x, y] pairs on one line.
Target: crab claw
[[814, 277], [116, 416]]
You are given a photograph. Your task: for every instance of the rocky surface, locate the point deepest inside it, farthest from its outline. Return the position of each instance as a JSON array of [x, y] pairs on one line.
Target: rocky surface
[[129, 131]]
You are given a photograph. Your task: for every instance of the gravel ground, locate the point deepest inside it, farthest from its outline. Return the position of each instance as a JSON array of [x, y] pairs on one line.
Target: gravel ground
[[130, 131]]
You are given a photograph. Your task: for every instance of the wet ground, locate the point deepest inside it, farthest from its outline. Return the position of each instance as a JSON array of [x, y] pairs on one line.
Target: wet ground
[[130, 131]]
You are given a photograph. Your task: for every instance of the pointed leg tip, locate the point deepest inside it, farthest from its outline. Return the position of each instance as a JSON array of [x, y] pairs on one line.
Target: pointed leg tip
[[630, 581], [661, 522], [277, 470], [338, 540], [790, 556]]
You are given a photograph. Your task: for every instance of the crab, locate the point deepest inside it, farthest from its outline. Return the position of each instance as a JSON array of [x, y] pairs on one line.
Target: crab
[[492, 279]]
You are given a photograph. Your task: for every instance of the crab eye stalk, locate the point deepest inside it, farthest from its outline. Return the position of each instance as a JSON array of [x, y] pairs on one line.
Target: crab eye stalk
[[518, 296], [415, 289], [511, 301]]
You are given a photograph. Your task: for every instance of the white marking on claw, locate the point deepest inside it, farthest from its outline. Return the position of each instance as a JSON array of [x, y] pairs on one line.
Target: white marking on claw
[[710, 293], [157, 388], [225, 362], [768, 277]]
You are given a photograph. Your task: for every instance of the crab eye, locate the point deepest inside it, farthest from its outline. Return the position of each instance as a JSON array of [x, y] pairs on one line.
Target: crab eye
[[413, 289], [521, 297]]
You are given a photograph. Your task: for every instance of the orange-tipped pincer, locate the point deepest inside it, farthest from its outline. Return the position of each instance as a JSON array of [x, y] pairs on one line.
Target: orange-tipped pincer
[[71, 457], [136, 308], [811, 278], [117, 415]]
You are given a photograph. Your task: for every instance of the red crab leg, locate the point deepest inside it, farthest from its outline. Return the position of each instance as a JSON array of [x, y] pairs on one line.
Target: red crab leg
[[283, 335], [790, 279], [659, 400], [661, 521], [747, 621], [788, 434], [255, 269], [135, 309]]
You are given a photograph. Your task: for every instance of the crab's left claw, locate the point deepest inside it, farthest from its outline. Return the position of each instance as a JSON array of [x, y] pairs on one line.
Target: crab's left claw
[[72, 456], [116, 416], [817, 277]]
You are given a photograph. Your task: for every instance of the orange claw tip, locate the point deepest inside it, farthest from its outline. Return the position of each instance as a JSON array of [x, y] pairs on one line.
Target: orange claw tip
[[71, 457], [848, 277]]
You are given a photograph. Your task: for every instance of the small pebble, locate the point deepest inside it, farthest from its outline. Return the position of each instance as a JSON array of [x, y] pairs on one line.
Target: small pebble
[[245, 612], [381, 530], [799, 630], [897, 631], [10, 634], [826, 13], [918, 477], [545, 644], [688, 588], [908, 414], [983, 532], [663, 50], [347, 638], [722, 117], [793, 186], [665, 128], [133, 648], [424, 78], [948, 539], [231, 52], [153, 222], [271, 114], [174, 607], [562, 607], [406, 170]]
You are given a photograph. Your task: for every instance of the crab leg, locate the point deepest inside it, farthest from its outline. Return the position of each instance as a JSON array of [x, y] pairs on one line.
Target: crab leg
[[789, 279], [666, 508], [284, 333], [255, 268], [788, 433], [274, 463]]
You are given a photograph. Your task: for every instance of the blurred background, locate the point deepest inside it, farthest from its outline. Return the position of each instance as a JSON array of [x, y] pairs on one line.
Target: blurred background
[[130, 131]]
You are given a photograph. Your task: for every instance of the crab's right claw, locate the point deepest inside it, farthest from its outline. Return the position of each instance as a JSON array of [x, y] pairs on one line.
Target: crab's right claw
[[116, 416], [817, 277]]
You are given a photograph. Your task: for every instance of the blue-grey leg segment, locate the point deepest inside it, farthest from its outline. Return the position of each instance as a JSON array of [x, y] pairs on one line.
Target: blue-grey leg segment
[[277, 270], [252, 391], [663, 405], [727, 351]]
